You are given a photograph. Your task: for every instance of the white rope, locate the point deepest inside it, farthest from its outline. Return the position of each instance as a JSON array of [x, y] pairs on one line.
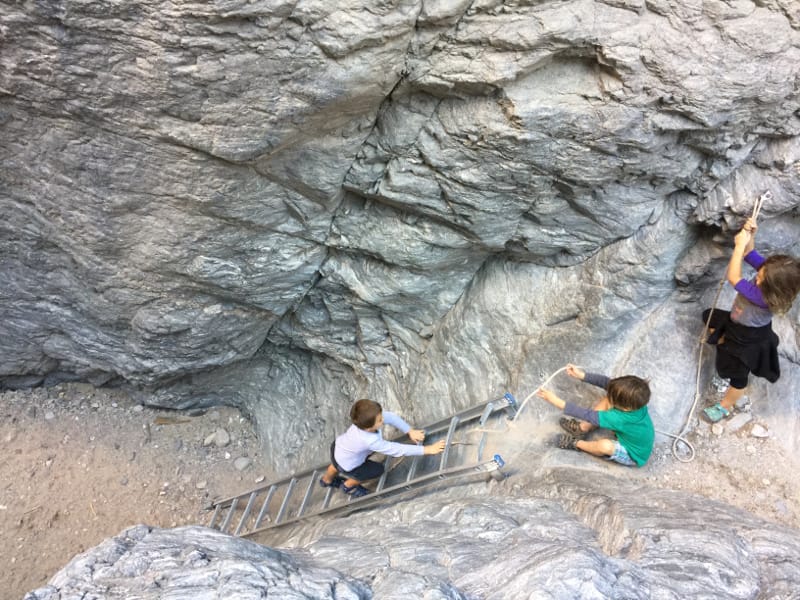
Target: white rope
[[533, 393]]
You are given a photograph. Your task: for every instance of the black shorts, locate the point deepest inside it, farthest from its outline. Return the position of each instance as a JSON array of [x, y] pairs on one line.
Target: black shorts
[[728, 366], [369, 469]]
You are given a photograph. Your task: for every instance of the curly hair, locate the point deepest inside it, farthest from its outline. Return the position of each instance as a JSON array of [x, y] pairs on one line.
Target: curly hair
[[364, 412], [780, 282], [628, 392]]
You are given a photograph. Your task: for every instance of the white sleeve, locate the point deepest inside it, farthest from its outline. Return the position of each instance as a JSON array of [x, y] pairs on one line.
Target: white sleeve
[[394, 449], [395, 421]]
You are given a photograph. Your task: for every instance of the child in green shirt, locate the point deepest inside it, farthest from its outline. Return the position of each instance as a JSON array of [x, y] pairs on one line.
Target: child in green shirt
[[623, 410]]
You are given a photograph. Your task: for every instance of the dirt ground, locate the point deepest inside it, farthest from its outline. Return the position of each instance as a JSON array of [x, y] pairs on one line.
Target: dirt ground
[[81, 464]]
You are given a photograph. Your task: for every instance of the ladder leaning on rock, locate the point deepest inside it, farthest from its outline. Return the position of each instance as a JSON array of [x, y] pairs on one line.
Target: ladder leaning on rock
[[299, 496]]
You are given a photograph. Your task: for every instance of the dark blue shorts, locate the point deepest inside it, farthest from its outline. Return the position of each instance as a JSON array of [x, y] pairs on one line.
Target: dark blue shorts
[[364, 472]]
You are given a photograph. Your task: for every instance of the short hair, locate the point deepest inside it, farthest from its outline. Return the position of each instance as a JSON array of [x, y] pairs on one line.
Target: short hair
[[628, 392], [780, 282], [364, 412]]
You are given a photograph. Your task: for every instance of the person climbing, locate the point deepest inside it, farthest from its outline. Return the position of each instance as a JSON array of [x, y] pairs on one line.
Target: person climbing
[[350, 450], [623, 410], [743, 336]]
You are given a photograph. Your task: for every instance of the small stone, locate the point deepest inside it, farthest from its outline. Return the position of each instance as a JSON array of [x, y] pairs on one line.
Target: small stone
[[138, 408], [241, 463], [759, 431], [765, 481], [750, 449], [49, 415], [123, 481], [260, 479], [718, 429], [177, 445], [114, 405], [201, 485], [738, 421]]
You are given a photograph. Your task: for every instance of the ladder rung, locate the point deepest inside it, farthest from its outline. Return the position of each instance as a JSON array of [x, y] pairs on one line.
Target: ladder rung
[[265, 506], [412, 470], [246, 513], [229, 516], [450, 431], [285, 502], [214, 517], [307, 495]]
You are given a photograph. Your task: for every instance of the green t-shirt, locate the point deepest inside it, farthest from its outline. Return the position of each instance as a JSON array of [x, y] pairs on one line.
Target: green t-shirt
[[634, 430]]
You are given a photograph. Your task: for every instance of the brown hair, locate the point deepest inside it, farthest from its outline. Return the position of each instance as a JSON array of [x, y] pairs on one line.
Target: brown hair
[[364, 412], [628, 392], [780, 282]]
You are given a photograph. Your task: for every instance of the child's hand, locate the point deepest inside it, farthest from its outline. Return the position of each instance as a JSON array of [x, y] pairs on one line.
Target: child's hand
[[546, 395], [750, 225], [435, 448], [550, 397], [416, 435], [743, 238], [575, 372]]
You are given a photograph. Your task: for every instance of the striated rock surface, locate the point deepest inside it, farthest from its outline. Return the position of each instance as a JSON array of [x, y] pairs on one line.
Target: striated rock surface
[[561, 534], [286, 205]]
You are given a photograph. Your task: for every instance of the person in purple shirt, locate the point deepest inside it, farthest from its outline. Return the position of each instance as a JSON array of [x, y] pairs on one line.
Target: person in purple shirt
[[350, 451], [743, 336]]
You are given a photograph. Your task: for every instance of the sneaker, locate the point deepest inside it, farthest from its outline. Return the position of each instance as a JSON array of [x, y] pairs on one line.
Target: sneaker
[[719, 384], [356, 491], [567, 442], [743, 404], [715, 414], [336, 483], [572, 427]]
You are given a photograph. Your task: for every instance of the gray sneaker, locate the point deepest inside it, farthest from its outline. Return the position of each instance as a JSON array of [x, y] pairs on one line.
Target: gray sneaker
[[719, 384], [743, 404]]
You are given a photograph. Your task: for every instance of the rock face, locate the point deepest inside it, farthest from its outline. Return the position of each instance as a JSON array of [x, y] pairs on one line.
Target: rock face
[[558, 535], [192, 562], [286, 205]]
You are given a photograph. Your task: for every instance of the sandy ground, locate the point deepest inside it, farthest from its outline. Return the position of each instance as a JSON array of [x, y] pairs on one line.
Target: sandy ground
[[82, 464]]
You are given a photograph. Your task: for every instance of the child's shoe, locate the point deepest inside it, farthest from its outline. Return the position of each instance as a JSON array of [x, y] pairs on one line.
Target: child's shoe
[[567, 442], [356, 491], [336, 483], [716, 413], [719, 384], [572, 427]]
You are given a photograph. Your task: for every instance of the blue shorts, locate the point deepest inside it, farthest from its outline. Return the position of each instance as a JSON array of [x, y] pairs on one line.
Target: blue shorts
[[621, 455]]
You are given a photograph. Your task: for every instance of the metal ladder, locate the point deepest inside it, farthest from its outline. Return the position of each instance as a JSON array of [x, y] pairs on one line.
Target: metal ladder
[[299, 496]]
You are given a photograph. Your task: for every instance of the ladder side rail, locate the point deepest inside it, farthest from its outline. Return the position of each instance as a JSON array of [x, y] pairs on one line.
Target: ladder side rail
[[265, 506], [285, 502], [229, 516], [307, 495], [246, 513], [450, 431], [420, 483]]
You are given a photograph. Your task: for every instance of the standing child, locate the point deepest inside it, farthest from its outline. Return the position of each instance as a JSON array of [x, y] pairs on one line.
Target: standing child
[[623, 410], [350, 450], [744, 338]]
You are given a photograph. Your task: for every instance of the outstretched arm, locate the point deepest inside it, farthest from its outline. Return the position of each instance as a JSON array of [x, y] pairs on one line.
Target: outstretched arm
[[743, 241]]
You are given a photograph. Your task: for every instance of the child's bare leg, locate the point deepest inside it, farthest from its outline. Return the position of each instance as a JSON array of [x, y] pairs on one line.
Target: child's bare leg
[[602, 404], [350, 482], [731, 397], [604, 447], [330, 473]]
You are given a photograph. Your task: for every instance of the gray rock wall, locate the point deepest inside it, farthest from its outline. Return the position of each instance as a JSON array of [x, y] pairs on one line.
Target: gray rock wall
[[561, 534], [284, 206]]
